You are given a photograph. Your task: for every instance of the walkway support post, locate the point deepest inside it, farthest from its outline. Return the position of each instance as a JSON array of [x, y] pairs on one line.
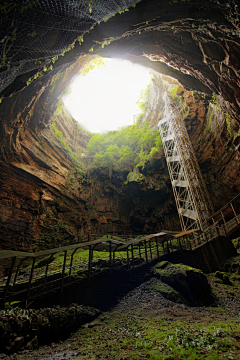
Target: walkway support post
[[128, 258], [157, 247], [8, 281], [224, 224], [30, 279], [63, 270], [71, 262], [145, 245], [16, 274], [46, 272], [89, 262], [139, 250], [110, 256], [132, 256], [235, 214], [113, 258], [150, 248]]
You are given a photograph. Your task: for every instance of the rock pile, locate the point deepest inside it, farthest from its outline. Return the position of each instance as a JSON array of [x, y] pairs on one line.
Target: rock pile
[[30, 328]]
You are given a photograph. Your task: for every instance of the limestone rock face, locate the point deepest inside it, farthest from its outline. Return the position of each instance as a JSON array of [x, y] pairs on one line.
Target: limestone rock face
[[215, 137], [47, 200]]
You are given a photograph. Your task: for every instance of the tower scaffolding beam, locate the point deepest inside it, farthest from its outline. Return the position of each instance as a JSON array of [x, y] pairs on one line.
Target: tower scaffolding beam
[[191, 195]]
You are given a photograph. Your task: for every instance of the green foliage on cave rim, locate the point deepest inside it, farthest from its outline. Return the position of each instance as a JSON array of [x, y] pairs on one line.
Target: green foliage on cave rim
[[125, 149]]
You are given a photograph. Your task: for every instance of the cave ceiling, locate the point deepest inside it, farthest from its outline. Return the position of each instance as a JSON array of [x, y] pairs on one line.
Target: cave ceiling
[[196, 42]]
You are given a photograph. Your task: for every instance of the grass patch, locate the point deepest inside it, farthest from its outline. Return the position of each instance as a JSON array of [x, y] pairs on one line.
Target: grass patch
[[125, 338]]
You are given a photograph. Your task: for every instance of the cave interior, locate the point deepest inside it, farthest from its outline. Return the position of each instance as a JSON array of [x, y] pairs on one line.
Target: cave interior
[[192, 46]]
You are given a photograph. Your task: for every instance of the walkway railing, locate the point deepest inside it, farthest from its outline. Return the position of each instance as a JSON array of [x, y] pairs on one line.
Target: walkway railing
[[223, 223], [34, 274]]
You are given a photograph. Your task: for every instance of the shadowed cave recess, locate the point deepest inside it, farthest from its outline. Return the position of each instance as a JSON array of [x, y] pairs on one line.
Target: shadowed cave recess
[[192, 49]]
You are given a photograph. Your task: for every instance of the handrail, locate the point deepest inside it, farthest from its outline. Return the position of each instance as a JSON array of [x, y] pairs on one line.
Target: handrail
[[224, 207], [113, 246], [4, 254]]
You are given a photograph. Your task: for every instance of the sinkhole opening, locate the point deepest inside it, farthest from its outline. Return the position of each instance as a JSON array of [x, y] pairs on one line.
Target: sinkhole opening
[[106, 94]]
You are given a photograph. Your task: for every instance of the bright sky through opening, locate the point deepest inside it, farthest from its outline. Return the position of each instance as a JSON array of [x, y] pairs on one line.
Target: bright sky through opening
[[105, 98]]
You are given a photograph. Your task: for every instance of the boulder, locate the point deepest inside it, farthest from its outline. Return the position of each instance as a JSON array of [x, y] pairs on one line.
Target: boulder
[[191, 283], [157, 286]]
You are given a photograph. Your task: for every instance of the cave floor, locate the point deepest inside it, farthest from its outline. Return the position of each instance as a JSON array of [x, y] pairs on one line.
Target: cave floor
[[145, 325]]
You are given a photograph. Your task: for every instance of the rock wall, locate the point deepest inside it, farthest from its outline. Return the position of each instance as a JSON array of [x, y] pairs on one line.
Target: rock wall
[[213, 134], [46, 199]]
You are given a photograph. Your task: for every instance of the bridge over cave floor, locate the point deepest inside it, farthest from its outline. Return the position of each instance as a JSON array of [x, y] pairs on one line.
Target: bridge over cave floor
[[31, 275]]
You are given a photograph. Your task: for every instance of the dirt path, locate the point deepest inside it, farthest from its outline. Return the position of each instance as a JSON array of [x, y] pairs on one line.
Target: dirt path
[[145, 325]]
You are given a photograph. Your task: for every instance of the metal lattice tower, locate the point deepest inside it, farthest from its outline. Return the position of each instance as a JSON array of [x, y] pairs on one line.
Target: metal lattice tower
[[190, 193]]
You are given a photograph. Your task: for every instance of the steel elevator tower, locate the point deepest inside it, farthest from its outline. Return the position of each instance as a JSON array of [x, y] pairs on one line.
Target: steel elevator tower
[[190, 193]]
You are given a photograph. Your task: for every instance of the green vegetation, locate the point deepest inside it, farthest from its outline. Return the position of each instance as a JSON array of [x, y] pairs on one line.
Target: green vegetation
[[54, 234], [125, 149], [75, 156], [32, 34], [59, 109], [16, 6], [81, 256], [178, 1], [96, 62], [143, 101], [128, 148], [141, 330], [145, 326], [89, 3], [211, 117], [3, 61], [229, 121], [144, 334], [59, 136], [39, 74], [55, 81], [174, 91], [8, 43]]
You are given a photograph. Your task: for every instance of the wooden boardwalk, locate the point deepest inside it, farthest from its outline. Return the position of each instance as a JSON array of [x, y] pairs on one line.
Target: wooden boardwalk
[[114, 255]]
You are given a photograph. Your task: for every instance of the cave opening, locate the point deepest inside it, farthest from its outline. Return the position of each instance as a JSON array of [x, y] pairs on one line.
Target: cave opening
[[107, 94]]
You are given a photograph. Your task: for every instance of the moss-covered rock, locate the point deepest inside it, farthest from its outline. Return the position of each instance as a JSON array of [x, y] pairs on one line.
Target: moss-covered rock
[[223, 276], [191, 283], [165, 290], [28, 329]]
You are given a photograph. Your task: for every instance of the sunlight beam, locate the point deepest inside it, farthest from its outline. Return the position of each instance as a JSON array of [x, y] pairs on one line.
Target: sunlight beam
[[105, 98]]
